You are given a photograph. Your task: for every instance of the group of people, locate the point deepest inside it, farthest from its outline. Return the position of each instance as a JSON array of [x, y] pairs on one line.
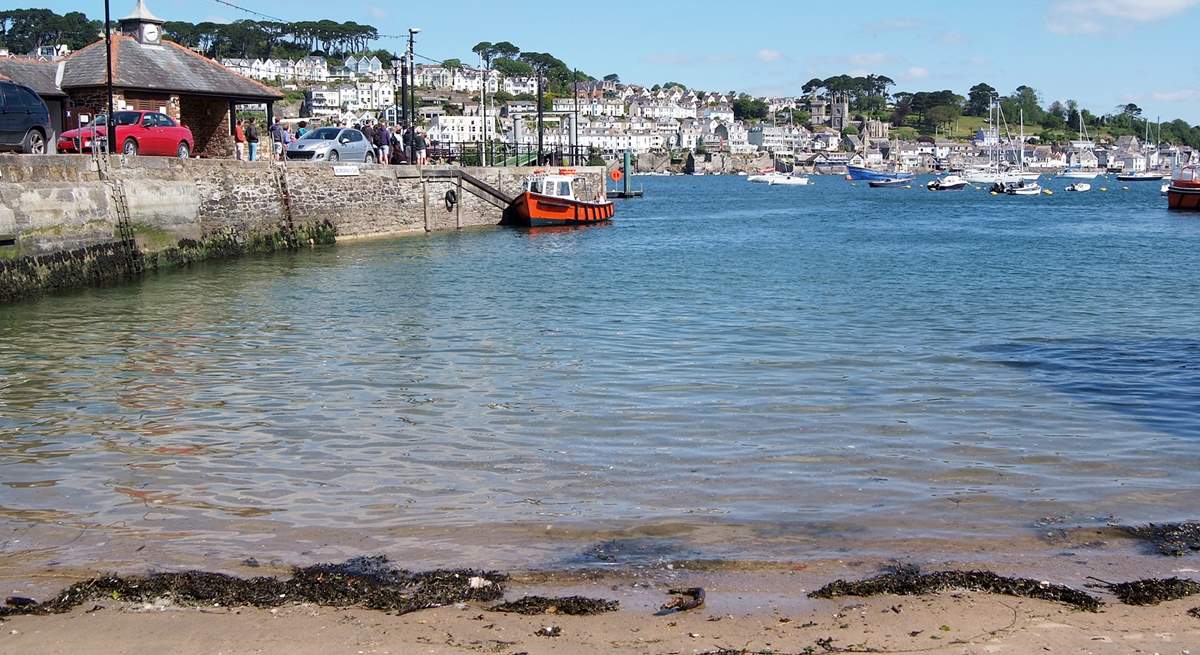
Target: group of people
[[392, 144], [395, 145]]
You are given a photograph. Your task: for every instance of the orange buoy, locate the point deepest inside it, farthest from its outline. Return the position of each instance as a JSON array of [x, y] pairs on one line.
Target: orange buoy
[[615, 175]]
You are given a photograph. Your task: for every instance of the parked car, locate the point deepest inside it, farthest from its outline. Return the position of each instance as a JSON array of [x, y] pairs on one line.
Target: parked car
[[138, 133], [24, 119], [332, 144]]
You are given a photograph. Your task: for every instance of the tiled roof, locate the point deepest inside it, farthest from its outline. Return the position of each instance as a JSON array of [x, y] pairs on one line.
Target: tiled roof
[[167, 67], [34, 73]]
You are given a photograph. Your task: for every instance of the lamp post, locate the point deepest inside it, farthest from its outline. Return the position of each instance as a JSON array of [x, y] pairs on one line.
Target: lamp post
[[397, 63], [110, 134], [411, 101]]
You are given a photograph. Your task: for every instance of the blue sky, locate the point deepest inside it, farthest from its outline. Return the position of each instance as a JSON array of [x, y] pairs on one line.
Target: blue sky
[[1099, 52]]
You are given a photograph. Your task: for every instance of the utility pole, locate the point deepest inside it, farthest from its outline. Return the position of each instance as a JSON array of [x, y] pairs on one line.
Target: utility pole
[[483, 109], [540, 124], [411, 101], [575, 124], [110, 130]]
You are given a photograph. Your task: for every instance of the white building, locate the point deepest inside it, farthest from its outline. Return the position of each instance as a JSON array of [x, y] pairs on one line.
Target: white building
[[459, 129]]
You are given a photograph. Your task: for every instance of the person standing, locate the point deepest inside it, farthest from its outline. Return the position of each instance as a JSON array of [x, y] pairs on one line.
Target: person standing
[[420, 143], [280, 138], [378, 142], [252, 139], [302, 129], [239, 140]]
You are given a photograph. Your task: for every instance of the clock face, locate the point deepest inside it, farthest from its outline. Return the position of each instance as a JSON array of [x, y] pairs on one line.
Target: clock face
[[150, 33]]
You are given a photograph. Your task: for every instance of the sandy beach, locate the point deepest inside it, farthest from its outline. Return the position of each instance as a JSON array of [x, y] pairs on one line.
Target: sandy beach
[[752, 608]]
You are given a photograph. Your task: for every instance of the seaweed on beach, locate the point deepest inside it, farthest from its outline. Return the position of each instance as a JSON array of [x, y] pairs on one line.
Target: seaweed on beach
[[1194, 612], [569, 605], [909, 581], [1152, 591], [1174, 539], [367, 582]]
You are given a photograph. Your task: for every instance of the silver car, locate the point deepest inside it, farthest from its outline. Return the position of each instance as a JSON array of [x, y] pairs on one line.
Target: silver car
[[332, 144]]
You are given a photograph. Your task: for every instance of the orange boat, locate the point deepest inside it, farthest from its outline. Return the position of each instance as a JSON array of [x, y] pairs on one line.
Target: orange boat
[[550, 199], [1184, 192]]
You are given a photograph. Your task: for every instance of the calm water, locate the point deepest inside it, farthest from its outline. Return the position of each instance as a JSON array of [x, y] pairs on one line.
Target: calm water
[[746, 371]]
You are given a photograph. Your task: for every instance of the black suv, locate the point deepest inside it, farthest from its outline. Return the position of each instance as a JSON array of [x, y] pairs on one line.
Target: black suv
[[24, 119]]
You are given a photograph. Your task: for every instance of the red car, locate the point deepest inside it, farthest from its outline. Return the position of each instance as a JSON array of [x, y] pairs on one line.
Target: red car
[[138, 133]]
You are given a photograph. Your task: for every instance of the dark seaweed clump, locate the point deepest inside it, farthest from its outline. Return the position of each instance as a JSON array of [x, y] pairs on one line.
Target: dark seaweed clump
[[570, 605], [909, 581], [1195, 611], [1153, 591], [1174, 539], [363, 582]]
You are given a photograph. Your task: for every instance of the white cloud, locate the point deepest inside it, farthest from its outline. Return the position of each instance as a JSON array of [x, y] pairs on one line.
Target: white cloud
[[916, 73], [220, 20], [376, 12], [1094, 16], [868, 58], [952, 37], [768, 55]]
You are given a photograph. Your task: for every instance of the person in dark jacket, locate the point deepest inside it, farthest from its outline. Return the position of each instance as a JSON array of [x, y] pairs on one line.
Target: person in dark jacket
[[381, 139], [252, 138]]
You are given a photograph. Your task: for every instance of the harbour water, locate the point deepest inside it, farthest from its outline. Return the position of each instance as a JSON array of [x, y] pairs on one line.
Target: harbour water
[[735, 371]]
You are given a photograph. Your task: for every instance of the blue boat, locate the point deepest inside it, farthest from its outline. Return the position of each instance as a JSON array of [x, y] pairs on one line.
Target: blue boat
[[864, 173]]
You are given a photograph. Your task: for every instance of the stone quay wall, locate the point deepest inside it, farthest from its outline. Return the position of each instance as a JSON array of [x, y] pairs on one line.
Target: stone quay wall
[[59, 221]]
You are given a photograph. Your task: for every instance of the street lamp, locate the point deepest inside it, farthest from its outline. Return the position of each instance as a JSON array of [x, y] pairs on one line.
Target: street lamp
[[411, 119], [396, 62], [110, 138]]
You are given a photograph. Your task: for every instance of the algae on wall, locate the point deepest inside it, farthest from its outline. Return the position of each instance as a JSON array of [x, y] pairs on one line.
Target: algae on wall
[[111, 262]]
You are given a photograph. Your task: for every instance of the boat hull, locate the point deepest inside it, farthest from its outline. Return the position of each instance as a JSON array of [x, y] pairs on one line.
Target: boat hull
[[1184, 196], [1079, 175], [889, 184], [869, 174], [1140, 178], [535, 210]]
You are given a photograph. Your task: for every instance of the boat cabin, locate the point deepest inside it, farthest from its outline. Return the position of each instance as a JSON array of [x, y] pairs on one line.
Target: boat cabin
[[555, 186]]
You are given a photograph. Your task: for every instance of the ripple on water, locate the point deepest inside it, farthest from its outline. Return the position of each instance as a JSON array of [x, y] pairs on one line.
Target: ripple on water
[[766, 374]]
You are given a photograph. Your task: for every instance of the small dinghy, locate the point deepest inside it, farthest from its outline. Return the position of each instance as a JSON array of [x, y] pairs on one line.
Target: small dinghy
[[1079, 186]]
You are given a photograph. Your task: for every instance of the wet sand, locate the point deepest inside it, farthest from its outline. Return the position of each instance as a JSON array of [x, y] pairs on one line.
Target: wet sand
[[759, 607]]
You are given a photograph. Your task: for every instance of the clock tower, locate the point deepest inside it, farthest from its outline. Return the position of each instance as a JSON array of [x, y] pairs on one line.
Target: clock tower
[[143, 25]]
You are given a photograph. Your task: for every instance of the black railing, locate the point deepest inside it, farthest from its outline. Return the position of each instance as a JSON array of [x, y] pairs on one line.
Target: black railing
[[475, 153]]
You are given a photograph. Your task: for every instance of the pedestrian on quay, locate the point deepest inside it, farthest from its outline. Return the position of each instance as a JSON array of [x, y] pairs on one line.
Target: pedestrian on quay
[[302, 130], [280, 137], [381, 138], [239, 140], [420, 143], [252, 139], [397, 145]]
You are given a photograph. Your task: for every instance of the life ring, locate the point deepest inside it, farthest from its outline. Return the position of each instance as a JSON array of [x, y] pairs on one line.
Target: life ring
[[451, 199], [615, 175]]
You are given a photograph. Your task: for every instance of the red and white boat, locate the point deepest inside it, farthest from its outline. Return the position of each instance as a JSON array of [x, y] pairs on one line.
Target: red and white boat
[[551, 199], [1184, 191]]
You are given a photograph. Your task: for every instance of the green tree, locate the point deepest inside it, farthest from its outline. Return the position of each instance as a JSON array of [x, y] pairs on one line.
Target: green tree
[[979, 98]]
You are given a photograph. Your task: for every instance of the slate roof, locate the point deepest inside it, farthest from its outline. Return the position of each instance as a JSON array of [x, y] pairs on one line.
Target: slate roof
[[36, 74], [168, 67]]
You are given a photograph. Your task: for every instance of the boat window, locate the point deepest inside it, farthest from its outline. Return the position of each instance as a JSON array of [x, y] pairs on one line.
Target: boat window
[[535, 186], [564, 189]]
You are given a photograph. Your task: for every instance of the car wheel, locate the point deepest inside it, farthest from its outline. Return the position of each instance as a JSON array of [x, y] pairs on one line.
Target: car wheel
[[34, 143], [130, 147], [182, 151], [332, 156], [369, 158]]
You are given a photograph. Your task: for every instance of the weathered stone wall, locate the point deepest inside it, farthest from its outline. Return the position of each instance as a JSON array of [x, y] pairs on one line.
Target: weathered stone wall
[[208, 118], [184, 211]]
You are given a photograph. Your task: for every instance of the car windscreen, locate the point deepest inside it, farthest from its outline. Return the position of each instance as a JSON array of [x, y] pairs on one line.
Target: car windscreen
[[321, 134], [123, 118]]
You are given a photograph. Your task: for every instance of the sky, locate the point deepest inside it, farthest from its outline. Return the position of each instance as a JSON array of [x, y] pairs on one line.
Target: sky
[[1102, 53]]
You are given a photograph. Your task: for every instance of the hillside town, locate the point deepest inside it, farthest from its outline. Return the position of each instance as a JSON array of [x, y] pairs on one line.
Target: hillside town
[[819, 129]]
